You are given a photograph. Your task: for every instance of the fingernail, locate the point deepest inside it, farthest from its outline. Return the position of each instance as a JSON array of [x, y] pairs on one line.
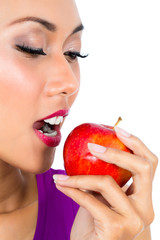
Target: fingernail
[[59, 177], [122, 132], [96, 148]]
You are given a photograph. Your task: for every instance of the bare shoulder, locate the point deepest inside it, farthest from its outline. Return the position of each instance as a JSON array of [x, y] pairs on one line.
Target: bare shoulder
[[145, 235]]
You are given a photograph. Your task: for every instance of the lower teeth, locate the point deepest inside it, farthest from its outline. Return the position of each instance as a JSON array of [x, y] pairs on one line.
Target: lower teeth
[[53, 134]]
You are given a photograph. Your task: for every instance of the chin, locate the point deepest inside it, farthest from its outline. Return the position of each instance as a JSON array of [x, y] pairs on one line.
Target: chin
[[39, 164]]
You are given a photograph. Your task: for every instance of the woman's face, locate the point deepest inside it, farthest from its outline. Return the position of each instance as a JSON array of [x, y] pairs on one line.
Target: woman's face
[[37, 77]]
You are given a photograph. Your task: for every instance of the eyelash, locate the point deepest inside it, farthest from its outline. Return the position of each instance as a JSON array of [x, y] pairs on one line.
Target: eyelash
[[34, 52], [31, 51], [74, 55]]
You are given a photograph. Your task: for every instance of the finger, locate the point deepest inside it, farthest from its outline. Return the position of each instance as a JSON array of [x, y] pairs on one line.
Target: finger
[[105, 185], [141, 169], [137, 146], [97, 209], [125, 160]]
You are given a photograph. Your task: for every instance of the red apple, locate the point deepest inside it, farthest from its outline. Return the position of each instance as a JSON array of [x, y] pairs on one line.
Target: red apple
[[79, 161]]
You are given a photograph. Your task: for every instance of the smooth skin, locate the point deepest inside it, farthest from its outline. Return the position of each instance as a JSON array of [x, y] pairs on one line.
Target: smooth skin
[[35, 86], [114, 214]]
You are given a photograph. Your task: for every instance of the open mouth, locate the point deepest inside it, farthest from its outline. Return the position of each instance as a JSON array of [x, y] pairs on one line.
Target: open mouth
[[49, 127]]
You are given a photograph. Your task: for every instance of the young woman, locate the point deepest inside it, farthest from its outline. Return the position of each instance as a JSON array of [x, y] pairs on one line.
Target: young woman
[[40, 42]]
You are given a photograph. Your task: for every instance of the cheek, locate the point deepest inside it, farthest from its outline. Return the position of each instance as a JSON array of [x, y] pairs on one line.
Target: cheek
[[18, 89]]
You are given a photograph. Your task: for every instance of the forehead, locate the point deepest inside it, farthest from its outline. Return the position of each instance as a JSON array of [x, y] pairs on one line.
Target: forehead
[[61, 12]]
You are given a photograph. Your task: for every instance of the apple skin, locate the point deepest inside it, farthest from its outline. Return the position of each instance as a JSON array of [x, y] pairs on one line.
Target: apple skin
[[79, 161]]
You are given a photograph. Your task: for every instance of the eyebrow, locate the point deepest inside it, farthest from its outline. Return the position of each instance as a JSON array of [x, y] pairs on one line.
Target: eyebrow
[[48, 25]]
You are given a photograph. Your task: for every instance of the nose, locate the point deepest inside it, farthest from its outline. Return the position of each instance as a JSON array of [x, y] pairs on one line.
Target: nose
[[62, 78]]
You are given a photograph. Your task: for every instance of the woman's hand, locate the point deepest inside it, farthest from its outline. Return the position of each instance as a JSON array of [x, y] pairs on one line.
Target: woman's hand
[[113, 214]]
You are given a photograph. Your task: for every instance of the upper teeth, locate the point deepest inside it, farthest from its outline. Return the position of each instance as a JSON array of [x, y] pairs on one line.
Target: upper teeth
[[54, 120]]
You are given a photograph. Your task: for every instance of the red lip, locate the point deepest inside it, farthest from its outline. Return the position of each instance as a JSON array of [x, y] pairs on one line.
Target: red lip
[[48, 140], [62, 113]]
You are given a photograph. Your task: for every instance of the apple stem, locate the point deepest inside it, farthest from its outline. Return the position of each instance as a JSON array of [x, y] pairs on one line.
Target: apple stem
[[119, 119]]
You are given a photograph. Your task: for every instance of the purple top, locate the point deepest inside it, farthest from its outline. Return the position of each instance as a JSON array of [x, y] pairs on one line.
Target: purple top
[[56, 211]]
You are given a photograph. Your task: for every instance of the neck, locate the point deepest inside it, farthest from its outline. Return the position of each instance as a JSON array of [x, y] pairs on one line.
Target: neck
[[14, 184]]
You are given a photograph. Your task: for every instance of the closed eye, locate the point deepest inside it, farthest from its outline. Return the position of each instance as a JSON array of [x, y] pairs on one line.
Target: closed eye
[[32, 51], [72, 56]]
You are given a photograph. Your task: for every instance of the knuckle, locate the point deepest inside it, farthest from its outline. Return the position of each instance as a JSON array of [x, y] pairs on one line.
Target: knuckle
[[136, 143], [155, 159], [76, 181], [150, 218], [107, 181], [147, 167]]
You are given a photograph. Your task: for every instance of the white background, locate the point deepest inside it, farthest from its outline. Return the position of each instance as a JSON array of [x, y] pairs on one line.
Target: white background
[[121, 76]]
